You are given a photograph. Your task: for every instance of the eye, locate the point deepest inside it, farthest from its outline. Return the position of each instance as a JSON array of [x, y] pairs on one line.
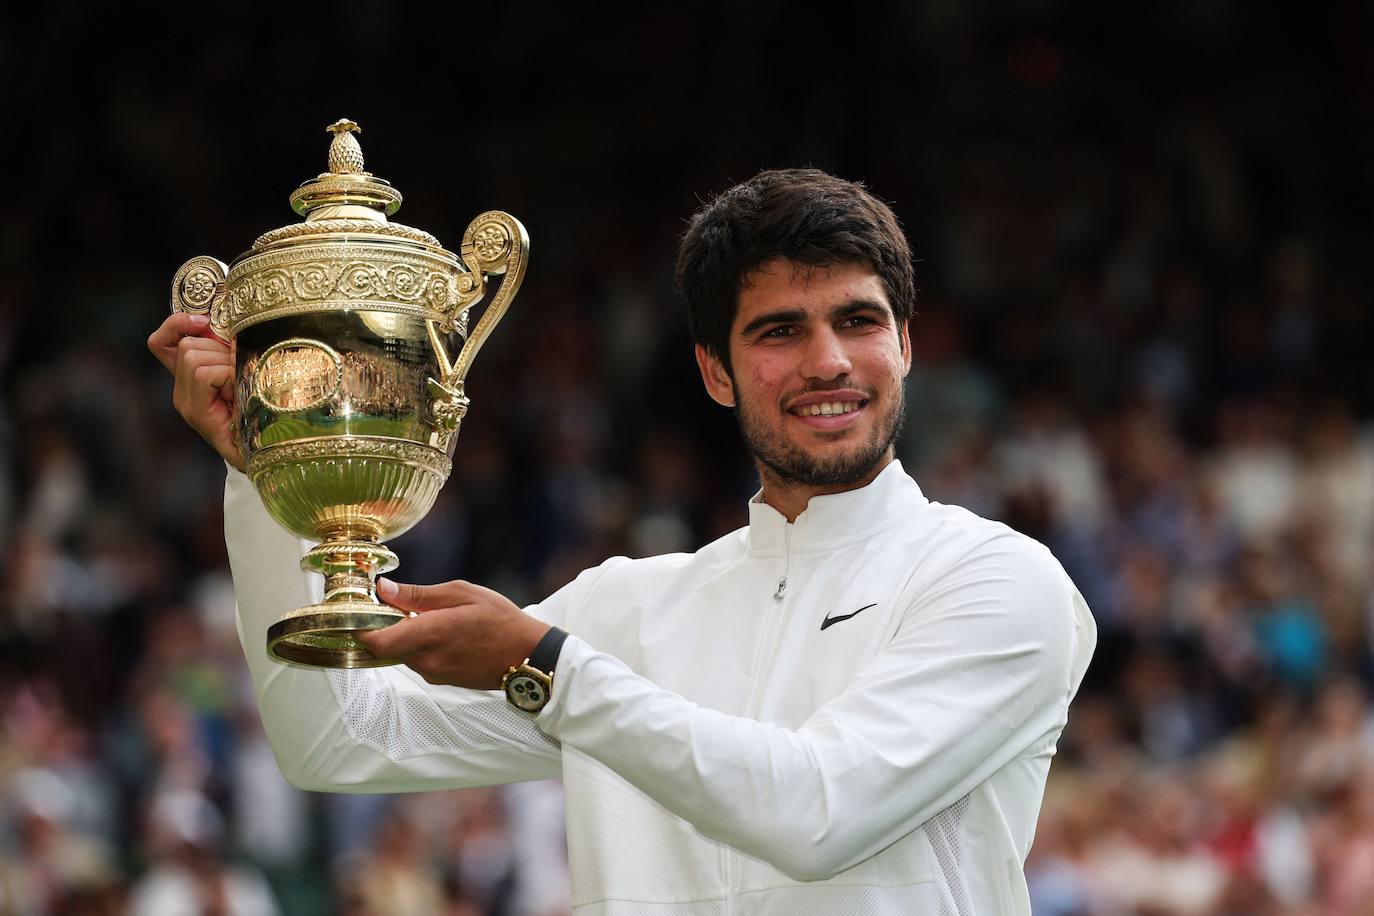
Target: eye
[[782, 330], [857, 321]]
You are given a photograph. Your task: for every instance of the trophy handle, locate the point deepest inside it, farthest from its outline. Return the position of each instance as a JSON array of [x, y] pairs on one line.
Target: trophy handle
[[198, 289], [495, 243]]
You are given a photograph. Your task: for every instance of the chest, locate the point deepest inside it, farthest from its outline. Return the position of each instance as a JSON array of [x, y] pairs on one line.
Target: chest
[[771, 637]]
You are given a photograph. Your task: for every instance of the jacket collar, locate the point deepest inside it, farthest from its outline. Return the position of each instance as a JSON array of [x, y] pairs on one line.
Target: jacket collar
[[837, 519]]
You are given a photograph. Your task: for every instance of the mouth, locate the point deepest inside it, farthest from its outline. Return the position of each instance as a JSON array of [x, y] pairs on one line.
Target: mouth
[[839, 411], [829, 408]]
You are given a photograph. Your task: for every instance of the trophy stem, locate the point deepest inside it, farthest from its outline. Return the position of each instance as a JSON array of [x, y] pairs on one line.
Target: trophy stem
[[321, 635], [350, 566]]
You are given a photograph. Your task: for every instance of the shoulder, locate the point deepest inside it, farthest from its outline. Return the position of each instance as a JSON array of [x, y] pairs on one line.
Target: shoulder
[[970, 558], [984, 583], [956, 537], [984, 594]]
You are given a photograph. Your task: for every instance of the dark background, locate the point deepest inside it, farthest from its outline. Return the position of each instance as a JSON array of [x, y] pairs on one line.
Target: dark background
[[1143, 337]]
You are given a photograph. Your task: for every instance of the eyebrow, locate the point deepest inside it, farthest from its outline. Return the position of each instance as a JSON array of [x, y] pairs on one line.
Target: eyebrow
[[794, 316]]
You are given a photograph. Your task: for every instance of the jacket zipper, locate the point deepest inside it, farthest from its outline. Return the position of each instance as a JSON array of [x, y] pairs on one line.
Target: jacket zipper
[[732, 869], [786, 563]]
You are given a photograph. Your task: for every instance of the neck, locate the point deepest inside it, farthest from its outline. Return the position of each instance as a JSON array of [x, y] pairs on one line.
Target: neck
[[791, 497]]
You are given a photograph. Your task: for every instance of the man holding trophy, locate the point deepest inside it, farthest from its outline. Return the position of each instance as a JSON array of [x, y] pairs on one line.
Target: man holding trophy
[[848, 706]]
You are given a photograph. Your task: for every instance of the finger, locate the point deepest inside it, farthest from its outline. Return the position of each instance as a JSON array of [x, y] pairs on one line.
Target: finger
[[193, 396], [204, 345], [175, 327], [192, 351], [220, 377], [402, 638], [193, 371], [424, 597], [163, 341]]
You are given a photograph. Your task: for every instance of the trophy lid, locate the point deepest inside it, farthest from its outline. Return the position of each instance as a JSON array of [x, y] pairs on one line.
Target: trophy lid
[[347, 184], [347, 199]]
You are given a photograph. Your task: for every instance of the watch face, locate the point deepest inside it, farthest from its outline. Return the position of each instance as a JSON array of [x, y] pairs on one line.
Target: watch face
[[526, 692]]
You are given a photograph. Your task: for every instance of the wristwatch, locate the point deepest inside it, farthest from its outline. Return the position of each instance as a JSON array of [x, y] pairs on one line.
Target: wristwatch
[[529, 684]]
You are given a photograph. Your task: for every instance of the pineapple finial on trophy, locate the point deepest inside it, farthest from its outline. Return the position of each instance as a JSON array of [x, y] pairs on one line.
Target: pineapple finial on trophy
[[345, 155], [346, 191]]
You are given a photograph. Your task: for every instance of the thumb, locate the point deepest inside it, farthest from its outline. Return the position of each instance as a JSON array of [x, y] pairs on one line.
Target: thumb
[[423, 597]]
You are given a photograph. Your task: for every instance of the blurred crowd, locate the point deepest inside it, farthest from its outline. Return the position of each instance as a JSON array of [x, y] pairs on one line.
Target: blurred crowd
[[1142, 338]]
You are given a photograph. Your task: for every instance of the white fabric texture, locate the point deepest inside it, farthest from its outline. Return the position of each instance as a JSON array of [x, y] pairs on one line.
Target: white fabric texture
[[874, 737]]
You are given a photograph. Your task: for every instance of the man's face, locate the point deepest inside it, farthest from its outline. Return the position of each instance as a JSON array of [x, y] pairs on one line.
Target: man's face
[[818, 364]]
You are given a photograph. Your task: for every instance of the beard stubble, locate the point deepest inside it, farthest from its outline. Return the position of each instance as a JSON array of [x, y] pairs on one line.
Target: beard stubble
[[794, 465]]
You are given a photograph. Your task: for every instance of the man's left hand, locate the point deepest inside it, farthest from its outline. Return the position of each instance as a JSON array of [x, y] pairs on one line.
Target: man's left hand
[[464, 635]]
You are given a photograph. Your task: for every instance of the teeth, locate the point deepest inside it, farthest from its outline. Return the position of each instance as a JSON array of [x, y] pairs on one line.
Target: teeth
[[828, 408]]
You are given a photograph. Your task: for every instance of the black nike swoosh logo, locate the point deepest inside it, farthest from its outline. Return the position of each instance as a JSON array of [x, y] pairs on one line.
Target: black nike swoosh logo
[[829, 621]]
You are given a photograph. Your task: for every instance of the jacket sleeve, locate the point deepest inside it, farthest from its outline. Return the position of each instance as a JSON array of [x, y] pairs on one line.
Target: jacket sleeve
[[980, 670], [367, 730]]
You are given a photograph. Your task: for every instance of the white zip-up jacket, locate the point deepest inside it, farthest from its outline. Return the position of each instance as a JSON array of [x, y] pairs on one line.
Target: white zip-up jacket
[[850, 714]]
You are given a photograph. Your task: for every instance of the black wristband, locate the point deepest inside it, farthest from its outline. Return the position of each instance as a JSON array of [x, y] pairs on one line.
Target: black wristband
[[545, 655]]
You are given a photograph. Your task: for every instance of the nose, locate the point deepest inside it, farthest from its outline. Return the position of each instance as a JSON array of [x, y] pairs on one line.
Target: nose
[[825, 356]]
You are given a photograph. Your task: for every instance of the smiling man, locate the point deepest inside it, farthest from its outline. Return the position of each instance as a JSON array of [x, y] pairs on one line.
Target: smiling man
[[822, 357], [848, 706]]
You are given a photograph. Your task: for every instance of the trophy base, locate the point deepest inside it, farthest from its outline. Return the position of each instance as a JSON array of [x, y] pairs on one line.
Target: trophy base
[[321, 635]]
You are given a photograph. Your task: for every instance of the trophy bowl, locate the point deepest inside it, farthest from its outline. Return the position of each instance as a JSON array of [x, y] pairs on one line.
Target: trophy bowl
[[347, 401]]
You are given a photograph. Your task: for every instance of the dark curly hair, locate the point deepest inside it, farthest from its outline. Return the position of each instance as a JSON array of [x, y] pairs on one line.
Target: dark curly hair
[[804, 215]]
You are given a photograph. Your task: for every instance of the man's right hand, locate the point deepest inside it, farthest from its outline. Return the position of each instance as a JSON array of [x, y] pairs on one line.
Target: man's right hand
[[203, 366]]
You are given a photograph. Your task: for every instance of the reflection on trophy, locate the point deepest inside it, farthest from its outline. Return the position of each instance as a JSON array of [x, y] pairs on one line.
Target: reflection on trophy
[[347, 402]]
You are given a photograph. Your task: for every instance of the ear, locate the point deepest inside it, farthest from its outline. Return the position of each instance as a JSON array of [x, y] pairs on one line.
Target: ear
[[906, 348], [715, 378]]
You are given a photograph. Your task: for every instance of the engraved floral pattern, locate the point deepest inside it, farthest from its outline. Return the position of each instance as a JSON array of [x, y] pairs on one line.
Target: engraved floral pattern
[[313, 281], [441, 294], [275, 286], [490, 242], [360, 280], [403, 280], [198, 286], [291, 282]]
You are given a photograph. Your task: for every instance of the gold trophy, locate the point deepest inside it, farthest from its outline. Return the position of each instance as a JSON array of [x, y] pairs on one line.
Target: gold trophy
[[347, 402]]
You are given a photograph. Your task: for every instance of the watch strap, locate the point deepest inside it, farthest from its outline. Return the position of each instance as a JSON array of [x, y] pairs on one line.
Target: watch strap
[[545, 655]]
